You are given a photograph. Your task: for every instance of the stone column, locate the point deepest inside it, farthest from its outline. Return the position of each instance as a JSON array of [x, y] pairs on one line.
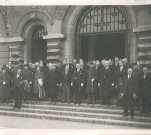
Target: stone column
[[53, 47], [144, 45], [11, 49]]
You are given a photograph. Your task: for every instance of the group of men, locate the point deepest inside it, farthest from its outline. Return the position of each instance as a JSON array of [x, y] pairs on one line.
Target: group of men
[[127, 82]]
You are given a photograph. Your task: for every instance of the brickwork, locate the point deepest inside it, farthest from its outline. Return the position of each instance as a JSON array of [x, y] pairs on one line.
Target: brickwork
[[62, 20]]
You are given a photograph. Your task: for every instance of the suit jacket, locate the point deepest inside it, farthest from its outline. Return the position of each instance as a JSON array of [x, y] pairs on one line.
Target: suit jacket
[[144, 85], [129, 85], [66, 78], [18, 82], [78, 77]]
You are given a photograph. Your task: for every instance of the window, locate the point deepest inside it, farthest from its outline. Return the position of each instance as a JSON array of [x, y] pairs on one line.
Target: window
[[39, 32], [102, 19]]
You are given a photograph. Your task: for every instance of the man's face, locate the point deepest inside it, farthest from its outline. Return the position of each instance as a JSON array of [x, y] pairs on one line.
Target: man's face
[[78, 66], [19, 71], [107, 64], [4, 71], [120, 63], [74, 61], [20, 63], [116, 60], [135, 66], [50, 66], [38, 69], [130, 71], [41, 64], [53, 67], [67, 68], [81, 64], [26, 67], [145, 70], [30, 64], [67, 61], [9, 64], [33, 65]]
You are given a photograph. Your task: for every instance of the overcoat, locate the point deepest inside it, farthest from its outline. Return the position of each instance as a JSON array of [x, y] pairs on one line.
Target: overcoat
[[52, 79], [106, 80], [36, 86], [144, 86], [27, 77], [92, 72], [5, 91]]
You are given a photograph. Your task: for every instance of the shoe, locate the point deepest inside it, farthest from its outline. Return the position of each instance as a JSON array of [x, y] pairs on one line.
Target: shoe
[[124, 116]]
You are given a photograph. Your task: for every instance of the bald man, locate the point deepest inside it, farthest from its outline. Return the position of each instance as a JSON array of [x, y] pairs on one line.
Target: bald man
[[129, 92]]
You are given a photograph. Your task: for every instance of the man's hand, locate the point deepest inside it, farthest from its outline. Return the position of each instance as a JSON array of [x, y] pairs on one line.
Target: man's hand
[[98, 84], [122, 94], [92, 80], [71, 84], [57, 84], [82, 84], [4, 83], [30, 82], [134, 95], [112, 84]]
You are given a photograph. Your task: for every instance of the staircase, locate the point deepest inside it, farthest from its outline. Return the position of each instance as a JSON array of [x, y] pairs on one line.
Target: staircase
[[98, 114]]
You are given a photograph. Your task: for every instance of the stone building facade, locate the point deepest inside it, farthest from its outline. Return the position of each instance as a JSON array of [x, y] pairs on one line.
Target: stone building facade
[[88, 32]]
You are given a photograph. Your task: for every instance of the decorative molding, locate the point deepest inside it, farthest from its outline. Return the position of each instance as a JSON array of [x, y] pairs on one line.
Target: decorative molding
[[142, 28], [54, 36], [10, 40], [34, 14]]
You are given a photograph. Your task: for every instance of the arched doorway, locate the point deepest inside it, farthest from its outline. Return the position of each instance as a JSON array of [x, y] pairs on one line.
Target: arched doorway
[[102, 32], [39, 45]]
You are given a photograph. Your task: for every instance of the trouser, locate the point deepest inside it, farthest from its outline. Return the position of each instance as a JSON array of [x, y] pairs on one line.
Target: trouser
[[106, 100], [24, 95], [66, 93], [78, 94], [145, 105], [119, 98], [17, 98], [53, 98], [128, 104], [91, 98]]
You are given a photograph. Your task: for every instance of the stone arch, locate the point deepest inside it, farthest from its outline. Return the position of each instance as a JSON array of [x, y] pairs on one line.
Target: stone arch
[[34, 15], [26, 33], [69, 23]]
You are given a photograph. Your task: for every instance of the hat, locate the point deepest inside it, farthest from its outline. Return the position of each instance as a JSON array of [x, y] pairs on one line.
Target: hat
[[20, 60], [4, 67], [54, 65], [26, 65], [134, 64]]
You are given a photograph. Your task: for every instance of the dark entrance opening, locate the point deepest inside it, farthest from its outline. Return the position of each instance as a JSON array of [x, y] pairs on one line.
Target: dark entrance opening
[[39, 50], [39, 45], [102, 46]]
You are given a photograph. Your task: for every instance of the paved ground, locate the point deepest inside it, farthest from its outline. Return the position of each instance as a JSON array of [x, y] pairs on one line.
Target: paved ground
[[31, 123]]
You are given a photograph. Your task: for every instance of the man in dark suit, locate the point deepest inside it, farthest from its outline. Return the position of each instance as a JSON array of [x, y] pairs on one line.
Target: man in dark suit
[[18, 87], [145, 91], [65, 82], [78, 83], [129, 92], [120, 74]]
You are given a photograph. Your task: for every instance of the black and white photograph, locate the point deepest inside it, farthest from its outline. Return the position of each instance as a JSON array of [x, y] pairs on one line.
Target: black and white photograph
[[75, 66]]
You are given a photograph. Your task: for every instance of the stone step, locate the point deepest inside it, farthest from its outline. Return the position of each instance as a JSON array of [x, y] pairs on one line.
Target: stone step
[[73, 105], [72, 108], [78, 105], [80, 114], [77, 119]]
